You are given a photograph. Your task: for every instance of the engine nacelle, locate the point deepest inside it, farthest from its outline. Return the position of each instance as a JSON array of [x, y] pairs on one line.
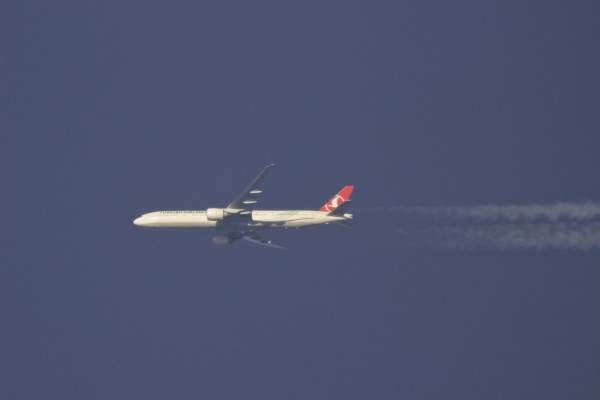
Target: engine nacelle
[[221, 239], [215, 214]]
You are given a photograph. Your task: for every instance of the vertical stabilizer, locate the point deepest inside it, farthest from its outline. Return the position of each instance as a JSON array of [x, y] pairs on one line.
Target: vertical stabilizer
[[339, 199]]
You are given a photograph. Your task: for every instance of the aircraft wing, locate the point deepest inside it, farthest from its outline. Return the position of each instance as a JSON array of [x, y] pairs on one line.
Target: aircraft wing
[[255, 238], [248, 198]]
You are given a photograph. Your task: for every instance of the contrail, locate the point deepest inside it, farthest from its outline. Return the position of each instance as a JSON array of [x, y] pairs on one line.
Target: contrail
[[512, 212], [566, 226], [540, 236]]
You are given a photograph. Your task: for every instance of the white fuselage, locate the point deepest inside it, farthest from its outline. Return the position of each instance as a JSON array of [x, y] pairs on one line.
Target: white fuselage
[[258, 219]]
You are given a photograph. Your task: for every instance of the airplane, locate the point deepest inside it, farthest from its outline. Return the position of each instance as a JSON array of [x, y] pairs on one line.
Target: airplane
[[239, 220]]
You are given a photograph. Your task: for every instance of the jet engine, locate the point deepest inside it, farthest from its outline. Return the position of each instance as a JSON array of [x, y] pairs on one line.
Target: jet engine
[[215, 214], [221, 239]]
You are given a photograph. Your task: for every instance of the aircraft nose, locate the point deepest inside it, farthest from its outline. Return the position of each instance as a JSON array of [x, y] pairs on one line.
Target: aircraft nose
[[137, 221]]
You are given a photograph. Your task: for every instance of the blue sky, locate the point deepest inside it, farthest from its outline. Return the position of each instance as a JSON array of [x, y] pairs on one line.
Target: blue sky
[[112, 110]]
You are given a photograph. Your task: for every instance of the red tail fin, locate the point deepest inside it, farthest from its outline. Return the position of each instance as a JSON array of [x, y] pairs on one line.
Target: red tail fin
[[338, 199]]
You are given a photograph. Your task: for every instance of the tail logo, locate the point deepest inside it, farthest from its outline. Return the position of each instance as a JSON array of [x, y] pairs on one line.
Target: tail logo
[[334, 203]]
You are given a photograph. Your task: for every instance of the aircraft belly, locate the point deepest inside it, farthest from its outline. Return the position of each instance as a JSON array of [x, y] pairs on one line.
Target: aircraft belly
[[163, 221], [300, 223], [282, 223]]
